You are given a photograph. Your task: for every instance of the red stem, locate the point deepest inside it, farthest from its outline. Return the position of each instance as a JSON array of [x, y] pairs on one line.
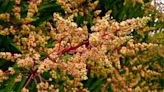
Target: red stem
[[35, 80], [40, 78], [66, 50], [31, 76], [29, 79]]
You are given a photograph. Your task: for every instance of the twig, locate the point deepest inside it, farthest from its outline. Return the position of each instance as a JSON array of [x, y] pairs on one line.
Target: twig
[[35, 80], [40, 78], [66, 50], [28, 80]]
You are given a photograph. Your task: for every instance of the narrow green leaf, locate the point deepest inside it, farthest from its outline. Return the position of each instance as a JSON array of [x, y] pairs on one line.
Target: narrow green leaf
[[42, 7], [88, 82], [65, 57], [32, 87], [9, 6], [161, 81], [4, 5], [4, 64], [10, 84], [20, 86], [97, 83], [15, 48]]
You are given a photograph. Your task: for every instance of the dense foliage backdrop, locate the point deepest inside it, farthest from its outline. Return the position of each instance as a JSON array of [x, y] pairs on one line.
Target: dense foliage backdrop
[[81, 46]]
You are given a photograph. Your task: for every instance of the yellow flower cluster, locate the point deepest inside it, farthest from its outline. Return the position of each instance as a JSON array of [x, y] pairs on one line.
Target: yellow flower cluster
[[68, 32], [5, 16], [7, 31], [69, 4], [123, 28], [132, 48], [2, 76], [16, 9], [8, 56], [11, 70], [76, 67], [18, 78], [44, 67], [25, 62], [42, 86], [76, 7], [32, 7]]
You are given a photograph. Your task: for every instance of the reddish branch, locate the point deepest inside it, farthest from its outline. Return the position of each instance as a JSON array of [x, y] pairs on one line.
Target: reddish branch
[[66, 50], [28, 80], [31, 76]]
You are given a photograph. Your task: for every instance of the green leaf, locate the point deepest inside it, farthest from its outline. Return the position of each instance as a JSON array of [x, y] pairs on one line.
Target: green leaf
[[3, 5], [109, 88], [160, 61], [65, 57], [14, 48], [88, 82], [4, 64], [32, 87], [7, 45], [9, 6], [79, 19], [96, 84], [42, 55], [125, 61], [50, 44], [161, 81], [44, 6], [21, 84], [10, 84], [45, 12], [24, 8]]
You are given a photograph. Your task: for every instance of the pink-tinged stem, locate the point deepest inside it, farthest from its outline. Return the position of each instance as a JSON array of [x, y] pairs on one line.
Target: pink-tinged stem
[[29, 79], [40, 77], [66, 50], [6, 73], [31, 76], [35, 80]]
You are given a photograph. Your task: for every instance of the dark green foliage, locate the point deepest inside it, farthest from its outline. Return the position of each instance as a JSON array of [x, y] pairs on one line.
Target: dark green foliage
[[24, 8], [9, 84], [4, 64], [6, 6], [119, 10], [93, 84], [43, 55], [161, 83], [45, 11], [6, 45], [18, 87], [50, 44], [66, 57]]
